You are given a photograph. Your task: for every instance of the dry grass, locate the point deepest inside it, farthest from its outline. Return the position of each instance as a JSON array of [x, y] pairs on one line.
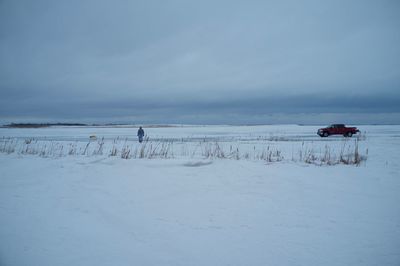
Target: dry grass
[[348, 154]]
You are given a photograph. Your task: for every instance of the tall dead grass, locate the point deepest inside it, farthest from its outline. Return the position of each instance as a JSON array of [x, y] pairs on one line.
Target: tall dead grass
[[348, 154]]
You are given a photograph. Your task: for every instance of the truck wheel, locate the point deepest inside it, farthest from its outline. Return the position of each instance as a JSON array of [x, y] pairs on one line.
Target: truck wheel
[[325, 134], [349, 134]]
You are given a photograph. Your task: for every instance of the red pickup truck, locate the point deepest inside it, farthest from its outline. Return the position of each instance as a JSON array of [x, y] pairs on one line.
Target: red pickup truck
[[337, 129]]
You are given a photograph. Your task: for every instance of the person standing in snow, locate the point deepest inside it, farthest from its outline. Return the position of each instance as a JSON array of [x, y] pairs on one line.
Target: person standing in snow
[[140, 134]]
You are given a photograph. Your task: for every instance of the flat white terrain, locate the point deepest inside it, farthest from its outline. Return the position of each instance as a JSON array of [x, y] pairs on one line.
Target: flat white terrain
[[215, 195]]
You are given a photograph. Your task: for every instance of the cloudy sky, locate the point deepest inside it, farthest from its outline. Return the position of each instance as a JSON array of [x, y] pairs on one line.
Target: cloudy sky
[[207, 62]]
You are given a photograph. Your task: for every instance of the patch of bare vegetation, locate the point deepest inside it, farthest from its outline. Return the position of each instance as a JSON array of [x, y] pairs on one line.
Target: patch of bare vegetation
[[348, 153]]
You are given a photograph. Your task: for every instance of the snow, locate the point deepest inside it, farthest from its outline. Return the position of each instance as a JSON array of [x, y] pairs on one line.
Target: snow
[[189, 210]]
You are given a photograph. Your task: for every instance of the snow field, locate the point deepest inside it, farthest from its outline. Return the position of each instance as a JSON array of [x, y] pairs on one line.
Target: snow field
[[102, 210]]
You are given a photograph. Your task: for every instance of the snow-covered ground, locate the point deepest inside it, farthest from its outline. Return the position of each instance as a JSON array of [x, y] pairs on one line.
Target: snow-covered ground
[[86, 207]]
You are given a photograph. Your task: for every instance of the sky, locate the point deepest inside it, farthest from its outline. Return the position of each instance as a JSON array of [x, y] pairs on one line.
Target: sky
[[200, 62]]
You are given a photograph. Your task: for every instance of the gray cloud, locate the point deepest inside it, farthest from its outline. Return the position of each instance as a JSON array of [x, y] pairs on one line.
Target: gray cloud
[[160, 60]]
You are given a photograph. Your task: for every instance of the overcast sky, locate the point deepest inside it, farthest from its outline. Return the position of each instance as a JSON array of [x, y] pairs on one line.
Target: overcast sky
[[229, 62]]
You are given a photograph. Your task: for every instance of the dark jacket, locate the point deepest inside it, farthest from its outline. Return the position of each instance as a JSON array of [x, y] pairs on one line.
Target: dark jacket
[[140, 132]]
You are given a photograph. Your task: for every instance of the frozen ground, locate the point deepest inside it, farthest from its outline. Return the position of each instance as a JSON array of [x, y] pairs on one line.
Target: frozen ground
[[95, 209]]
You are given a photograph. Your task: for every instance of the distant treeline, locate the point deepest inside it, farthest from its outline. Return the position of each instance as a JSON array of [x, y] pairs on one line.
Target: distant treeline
[[36, 125]]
